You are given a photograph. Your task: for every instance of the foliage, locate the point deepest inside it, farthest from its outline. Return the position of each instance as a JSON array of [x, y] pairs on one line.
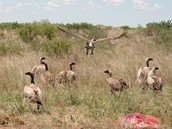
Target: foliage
[[162, 32], [139, 28], [164, 38], [10, 26], [49, 30], [125, 27], [89, 30], [78, 26], [96, 33], [163, 25], [156, 27], [29, 31], [26, 32], [10, 49], [45, 28], [56, 48]]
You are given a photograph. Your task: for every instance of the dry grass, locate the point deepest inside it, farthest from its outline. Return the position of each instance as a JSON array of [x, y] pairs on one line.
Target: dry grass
[[87, 103]]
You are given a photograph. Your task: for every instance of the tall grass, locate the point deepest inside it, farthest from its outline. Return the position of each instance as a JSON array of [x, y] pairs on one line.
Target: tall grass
[[87, 102]]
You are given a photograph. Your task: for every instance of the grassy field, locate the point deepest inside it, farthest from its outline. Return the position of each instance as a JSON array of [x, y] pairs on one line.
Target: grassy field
[[86, 103]]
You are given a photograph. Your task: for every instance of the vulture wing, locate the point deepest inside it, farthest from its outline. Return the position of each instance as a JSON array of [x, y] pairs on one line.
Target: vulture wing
[[75, 35], [111, 38]]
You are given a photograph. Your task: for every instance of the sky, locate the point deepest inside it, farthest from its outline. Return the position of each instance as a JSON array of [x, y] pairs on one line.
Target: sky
[[97, 12]]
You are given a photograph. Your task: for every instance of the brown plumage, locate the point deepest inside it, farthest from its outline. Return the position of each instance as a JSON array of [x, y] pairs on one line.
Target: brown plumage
[[90, 44], [32, 93], [46, 77], [116, 84], [154, 82], [70, 75], [143, 73], [37, 68], [62, 76], [67, 76]]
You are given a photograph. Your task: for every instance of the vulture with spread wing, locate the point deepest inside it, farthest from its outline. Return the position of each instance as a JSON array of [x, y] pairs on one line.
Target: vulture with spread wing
[[90, 43]]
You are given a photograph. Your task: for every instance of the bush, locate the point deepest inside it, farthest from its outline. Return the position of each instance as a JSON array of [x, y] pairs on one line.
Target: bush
[[97, 33], [56, 48], [164, 38], [86, 28], [10, 26], [10, 49], [162, 32], [154, 28], [26, 32], [78, 26], [29, 31], [49, 31], [125, 27]]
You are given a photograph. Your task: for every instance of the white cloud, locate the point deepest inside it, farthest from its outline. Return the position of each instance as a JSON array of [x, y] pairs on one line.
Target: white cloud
[[50, 6], [69, 1], [4, 8], [10, 8], [114, 2], [53, 5], [141, 4], [91, 6], [21, 5], [7, 10]]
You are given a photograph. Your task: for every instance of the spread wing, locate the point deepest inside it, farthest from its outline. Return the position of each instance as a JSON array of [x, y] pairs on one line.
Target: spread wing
[[111, 38], [75, 35]]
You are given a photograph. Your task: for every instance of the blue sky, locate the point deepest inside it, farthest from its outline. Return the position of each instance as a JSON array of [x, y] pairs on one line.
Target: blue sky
[[105, 12]]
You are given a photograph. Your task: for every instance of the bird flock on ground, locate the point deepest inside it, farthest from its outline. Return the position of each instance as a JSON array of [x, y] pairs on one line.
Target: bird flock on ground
[[146, 78]]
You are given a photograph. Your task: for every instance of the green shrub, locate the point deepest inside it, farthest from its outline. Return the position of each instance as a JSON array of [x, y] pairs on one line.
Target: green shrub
[[9, 49], [49, 31], [56, 48], [26, 32], [10, 25], [86, 28], [78, 26], [125, 27], [162, 32], [29, 31], [157, 27], [96, 33], [139, 28], [45, 28], [164, 38]]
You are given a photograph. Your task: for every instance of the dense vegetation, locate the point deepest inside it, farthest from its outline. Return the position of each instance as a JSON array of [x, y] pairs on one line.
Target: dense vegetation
[[86, 103]]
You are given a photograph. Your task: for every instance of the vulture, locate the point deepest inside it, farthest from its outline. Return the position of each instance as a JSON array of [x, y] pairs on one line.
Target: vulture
[[143, 73], [90, 43]]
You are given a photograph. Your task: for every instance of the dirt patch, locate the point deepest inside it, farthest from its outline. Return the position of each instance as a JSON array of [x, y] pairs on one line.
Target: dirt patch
[[10, 120]]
